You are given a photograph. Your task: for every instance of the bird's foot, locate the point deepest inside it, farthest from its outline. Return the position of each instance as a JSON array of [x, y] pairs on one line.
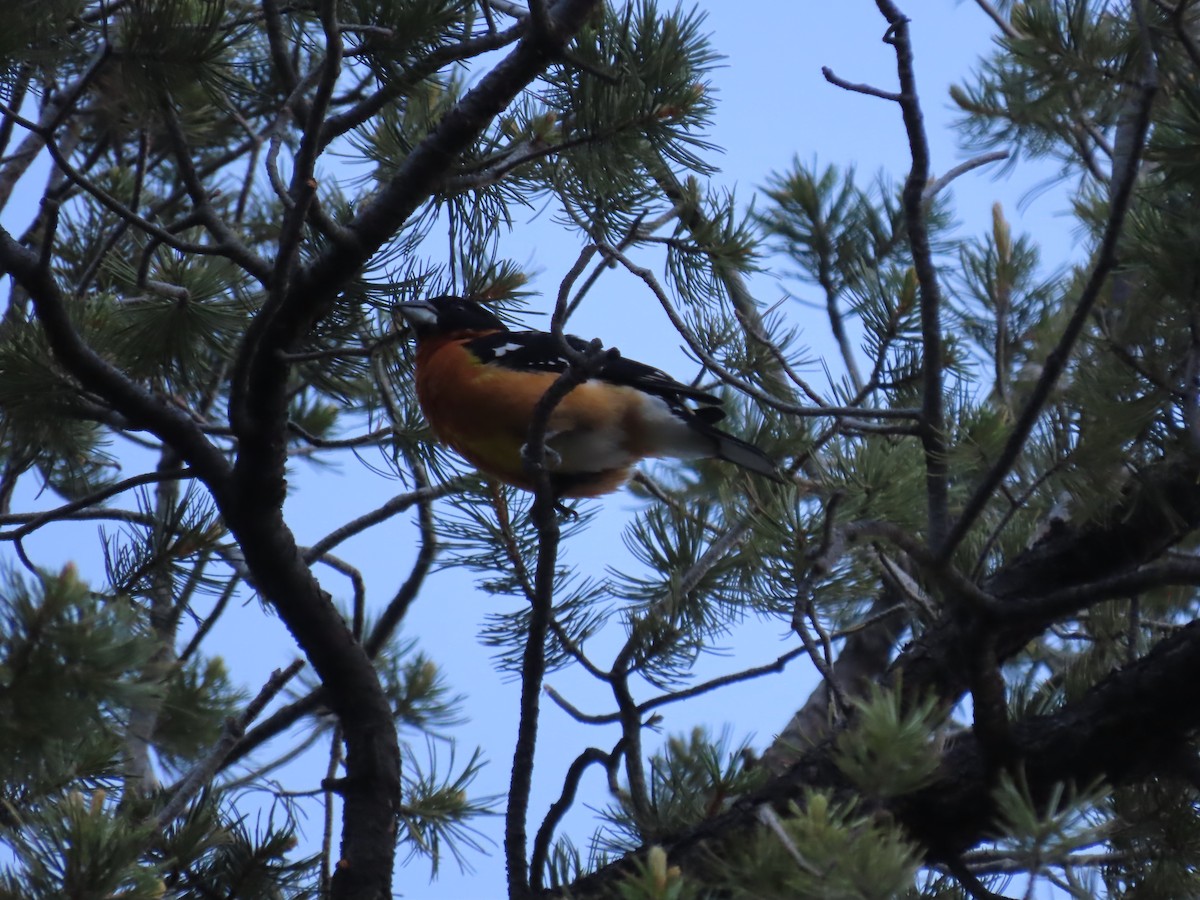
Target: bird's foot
[[552, 458]]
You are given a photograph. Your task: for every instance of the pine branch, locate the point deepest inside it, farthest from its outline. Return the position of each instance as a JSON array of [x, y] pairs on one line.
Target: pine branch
[[231, 246], [395, 87], [1118, 729], [202, 773], [692, 217], [54, 112], [256, 405], [1060, 356], [1002, 23], [933, 417], [731, 378]]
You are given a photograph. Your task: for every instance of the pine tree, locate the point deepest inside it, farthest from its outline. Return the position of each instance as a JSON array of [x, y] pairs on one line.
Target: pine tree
[[984, 549]]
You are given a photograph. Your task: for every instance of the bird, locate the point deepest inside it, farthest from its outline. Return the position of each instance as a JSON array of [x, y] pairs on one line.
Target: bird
[[478, 381]]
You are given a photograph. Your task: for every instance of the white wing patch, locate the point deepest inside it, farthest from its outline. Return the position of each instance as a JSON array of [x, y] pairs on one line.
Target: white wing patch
[[507, 348]]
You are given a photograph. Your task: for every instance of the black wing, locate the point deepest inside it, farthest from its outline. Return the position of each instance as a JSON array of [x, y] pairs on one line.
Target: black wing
[[541, 352]]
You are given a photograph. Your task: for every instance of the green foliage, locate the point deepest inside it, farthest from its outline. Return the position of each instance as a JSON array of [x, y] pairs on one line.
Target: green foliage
[[188, 309], [69, 661], [199, 699], [1060, 70], [827, 852], [402, 31], [38, 33], [1006, 305], [692, 779], [172, 47], [890, 750], [212, 849], [436, 807], [163, 547], [643, 115], [834, 231], [655, 879], [1049, 829], [39, 429], [79, 848], [671, 616], [1152, 860], [422, 698]]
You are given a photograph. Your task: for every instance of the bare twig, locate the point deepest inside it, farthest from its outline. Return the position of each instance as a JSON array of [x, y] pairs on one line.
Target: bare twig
[[1004, 24], [393, 614], [869, 90], [937, 185], [696, 690], [395, 506], [560, 807], [67, 510]]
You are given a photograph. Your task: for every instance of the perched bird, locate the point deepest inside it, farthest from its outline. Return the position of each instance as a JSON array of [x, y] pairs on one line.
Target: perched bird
[[478, 383]]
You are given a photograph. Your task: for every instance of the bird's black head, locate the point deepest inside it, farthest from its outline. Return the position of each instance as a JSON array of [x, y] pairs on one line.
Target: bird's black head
[[445, 315]]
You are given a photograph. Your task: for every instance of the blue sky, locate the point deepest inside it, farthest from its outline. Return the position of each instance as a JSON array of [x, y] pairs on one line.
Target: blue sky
[[773, 104]]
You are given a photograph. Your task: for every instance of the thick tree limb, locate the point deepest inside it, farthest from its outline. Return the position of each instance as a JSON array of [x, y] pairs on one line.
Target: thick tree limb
[[1133, 719], [1131, 722]]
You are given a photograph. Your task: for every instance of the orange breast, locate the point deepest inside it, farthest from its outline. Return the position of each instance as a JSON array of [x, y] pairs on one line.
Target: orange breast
[[483, 412]]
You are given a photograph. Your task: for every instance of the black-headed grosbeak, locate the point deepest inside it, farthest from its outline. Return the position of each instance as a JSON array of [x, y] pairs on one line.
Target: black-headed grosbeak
[[478, 383]]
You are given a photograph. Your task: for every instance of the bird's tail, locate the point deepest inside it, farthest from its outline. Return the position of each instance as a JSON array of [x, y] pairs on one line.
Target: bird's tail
[[746, 455], [685, 433]]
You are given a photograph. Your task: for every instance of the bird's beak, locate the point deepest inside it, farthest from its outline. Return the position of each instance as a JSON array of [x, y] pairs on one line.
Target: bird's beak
[[418, 312]]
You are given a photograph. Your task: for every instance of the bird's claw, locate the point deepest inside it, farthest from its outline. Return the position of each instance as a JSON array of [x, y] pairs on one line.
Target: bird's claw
[[552, 458]]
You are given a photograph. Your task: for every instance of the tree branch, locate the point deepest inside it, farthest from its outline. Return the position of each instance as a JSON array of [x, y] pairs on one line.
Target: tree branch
[[1056, 362], [1118, 731], [933, 424]]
